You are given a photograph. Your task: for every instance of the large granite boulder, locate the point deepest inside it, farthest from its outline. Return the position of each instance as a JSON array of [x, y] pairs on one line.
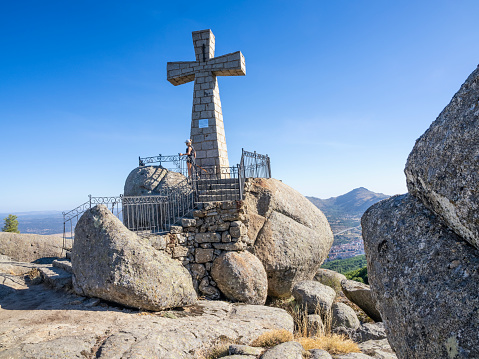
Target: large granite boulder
[[291, 236], [443, 168], [344, 316], [330, 278], [30, 247], [314, 296], [241, 277], [360, 294], [425, 280], [113, 263], [288, 350], [151, 180]]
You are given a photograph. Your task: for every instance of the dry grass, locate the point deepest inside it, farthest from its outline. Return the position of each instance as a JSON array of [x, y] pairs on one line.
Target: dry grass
[[218, 350], [332, 343], [273, 337], [321, 338]]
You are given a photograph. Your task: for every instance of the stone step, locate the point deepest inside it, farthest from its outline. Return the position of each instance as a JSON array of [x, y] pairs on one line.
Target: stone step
[[217, 198], [55, 277], [212, 187], [64, 264], [217, 181]]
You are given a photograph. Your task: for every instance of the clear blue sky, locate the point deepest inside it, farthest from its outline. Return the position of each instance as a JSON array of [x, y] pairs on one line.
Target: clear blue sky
[[336, 92]]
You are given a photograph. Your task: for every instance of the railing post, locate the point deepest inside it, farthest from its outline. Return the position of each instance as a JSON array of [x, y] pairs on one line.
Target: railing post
[[240, 184], [89, 197]]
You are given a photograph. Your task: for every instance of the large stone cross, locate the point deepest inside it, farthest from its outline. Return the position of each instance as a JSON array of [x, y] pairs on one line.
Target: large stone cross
[[207, 129]]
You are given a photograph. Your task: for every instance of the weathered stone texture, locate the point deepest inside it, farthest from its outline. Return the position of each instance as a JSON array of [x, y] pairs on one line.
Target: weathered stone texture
[[113, 263], [241, 277], [425, 279], [314, 296], [30, 247], [150, 180], [344, 316], [360, 294], [291, 236], [443, 168]]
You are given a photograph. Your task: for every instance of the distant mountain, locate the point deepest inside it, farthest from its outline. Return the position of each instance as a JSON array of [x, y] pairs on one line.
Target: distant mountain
[[353, 203]]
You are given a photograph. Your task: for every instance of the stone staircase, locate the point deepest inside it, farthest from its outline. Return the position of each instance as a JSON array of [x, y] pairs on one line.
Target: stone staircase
[[217, 190], [57, 275]]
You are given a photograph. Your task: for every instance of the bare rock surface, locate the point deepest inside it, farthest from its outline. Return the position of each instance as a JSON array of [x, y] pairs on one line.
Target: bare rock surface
[[288, 350], [241, 277], [352, 356], [319, 354], [37, 322], [425, 279], [330, 278], [113, 263], [150, 180], [344, 316], [360, 294], [378, 349], [315, 296], [24, 247], [443, 167], [369, 331], [291, 236]]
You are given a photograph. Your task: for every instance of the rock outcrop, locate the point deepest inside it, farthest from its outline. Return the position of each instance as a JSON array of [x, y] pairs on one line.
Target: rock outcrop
[[314, 296], [36, 322], [30, 247], [442, 169], [241, 277], [425, 280], [289, 350], [330, 278], [360, 294], [344, 316], [113, 263], [150, 180], [291, 236]]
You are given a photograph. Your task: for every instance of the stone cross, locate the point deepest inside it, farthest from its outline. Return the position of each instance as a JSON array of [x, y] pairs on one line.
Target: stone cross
[[207, 129]]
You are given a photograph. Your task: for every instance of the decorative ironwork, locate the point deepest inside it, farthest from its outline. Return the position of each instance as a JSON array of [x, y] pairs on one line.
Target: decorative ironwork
[[255, 165], [178, 161], [157, 213]]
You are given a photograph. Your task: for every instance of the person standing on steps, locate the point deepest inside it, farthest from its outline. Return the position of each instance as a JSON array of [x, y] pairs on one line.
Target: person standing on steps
[[191, 159]]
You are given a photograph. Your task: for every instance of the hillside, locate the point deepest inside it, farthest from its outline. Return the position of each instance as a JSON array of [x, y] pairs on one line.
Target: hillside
[[344, 216], [353, 203]]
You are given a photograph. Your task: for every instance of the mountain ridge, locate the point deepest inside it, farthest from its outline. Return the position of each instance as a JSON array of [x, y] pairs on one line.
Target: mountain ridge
[[353, 203]]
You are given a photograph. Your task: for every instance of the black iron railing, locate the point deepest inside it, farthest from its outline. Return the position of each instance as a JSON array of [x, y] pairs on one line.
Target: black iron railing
[[157, 213]]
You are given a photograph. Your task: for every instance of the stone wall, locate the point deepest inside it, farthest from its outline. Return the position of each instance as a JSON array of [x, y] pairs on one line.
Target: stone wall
[[215, 228]]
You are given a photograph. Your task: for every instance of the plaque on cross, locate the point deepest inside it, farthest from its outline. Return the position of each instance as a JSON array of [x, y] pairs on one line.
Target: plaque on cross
[[207, 129]]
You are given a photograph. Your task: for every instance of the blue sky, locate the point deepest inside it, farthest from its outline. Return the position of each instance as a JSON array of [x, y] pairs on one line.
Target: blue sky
[[336, 92]]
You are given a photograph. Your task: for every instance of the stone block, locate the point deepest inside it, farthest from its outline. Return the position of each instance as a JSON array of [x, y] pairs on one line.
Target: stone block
[[234, 246], [176, 229], [221, 227], [180, 251], [188, 222], [238, 231], [207, 237], [228, 205], [203, 255], [198, 213], [226, 237]]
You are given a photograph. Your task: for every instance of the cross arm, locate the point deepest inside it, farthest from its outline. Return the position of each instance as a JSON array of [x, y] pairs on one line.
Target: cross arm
[[179, 73], [228, 65]]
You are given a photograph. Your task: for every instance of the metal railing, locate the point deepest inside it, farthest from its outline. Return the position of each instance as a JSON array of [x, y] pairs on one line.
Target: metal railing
[[179, 162], [157, 213]]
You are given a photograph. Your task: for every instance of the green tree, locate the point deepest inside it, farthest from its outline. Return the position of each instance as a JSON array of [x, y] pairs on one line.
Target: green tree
[[11, 224]]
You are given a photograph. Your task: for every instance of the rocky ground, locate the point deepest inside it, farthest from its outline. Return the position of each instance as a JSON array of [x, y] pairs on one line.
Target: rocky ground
[[37, 321]]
